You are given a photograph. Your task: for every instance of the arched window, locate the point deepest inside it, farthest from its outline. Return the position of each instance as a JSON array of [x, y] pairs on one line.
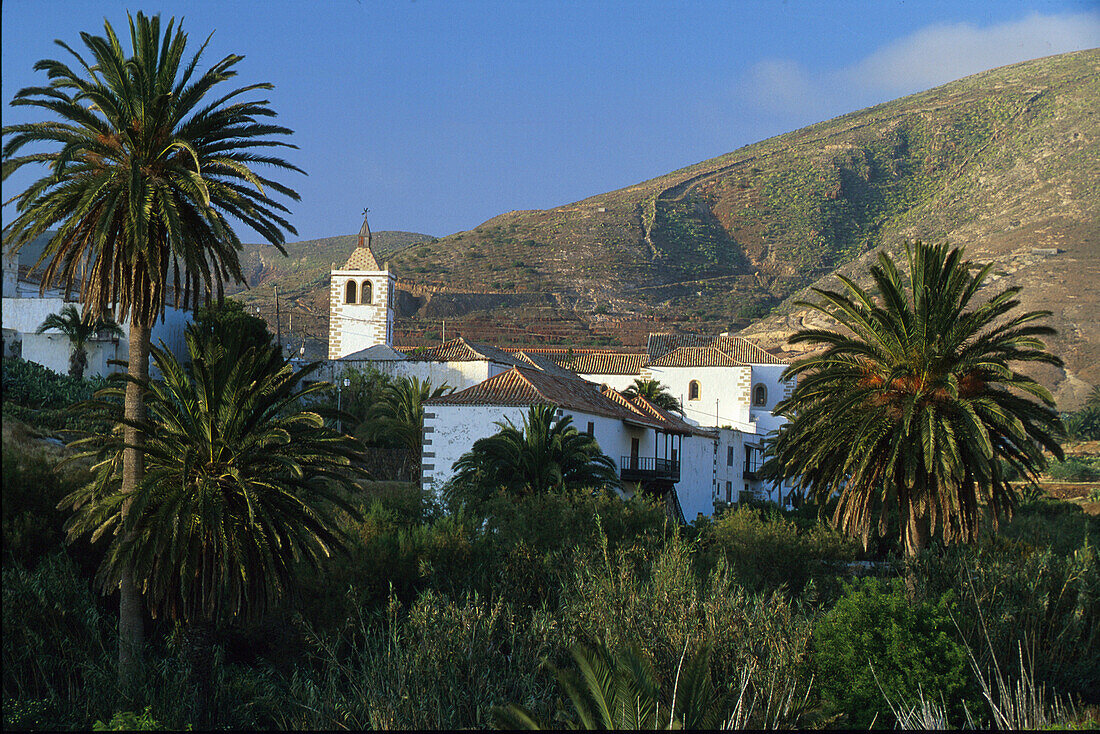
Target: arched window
[[349, 292], [760, 395], [367, 294], [693, 390]]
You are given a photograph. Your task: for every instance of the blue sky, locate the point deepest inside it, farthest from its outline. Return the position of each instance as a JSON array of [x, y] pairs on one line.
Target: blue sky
[[439, 115]]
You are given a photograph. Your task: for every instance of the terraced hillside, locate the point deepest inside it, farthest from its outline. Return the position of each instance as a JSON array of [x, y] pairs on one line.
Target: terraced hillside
[[1003, 162]]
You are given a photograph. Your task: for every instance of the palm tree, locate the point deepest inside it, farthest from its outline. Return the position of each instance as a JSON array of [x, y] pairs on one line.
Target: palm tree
[[398, 416], [79, 331], [240, 485], [543, 455], [656, 393], [147, 162], [914, 405]]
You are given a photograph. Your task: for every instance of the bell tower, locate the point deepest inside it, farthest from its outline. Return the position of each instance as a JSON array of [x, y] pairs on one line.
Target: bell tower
[[360, 301]]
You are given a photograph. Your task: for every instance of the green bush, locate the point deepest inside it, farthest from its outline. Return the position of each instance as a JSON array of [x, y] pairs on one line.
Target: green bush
[[1063, 527], [443, 665], [766, 551], [32, 525], [648, 596], [1075, 470], [31, 385], [1084, 425], [58, 646], [1011, 592], [877, 644]]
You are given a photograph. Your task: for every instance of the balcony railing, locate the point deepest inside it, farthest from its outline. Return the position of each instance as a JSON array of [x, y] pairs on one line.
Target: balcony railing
[[648, 468], [753, 462]]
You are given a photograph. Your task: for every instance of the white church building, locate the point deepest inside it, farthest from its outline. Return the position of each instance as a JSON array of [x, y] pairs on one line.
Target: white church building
[[704, 460]]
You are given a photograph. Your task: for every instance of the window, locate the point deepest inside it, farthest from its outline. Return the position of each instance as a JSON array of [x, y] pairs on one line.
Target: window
[[591, 428], [760, 395], [729, 456], [693, 390], [349, 292], [367, 294], [729, 491]]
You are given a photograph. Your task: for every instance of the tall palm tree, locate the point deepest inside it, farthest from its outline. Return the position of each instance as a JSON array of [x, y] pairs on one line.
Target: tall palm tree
[[148, 161], [79, 331], [398, 417], [240, 486], [542, 455], [915, 403], [656, 393]]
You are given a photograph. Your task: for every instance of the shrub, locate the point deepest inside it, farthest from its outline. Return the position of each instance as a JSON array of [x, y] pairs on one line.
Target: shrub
[[766, 551], [875, 642], [647, 596], [32, 385], [1063, 527], [32, 525], [1075, 470], [58, 646], [443, 666], [1010, 592]]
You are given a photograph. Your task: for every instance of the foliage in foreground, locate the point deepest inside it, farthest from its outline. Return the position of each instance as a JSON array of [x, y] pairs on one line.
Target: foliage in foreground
[[480, 605]]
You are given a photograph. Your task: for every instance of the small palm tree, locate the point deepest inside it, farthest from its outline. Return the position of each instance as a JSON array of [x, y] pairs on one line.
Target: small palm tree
[[79, 331], [398, 417], [656, 393], [240, 487], [915, 404], [542, 455]]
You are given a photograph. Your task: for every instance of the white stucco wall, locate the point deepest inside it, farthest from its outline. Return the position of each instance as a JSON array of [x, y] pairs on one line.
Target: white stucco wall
[[768, 375], [695, 490], [450, 431], [726, 385], [51, 349]]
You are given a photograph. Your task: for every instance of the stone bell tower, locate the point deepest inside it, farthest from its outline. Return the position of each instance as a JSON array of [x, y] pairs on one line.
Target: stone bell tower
[[360, 301]]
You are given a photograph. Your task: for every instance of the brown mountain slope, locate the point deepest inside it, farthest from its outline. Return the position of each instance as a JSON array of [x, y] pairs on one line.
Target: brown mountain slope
[[1002, 162]]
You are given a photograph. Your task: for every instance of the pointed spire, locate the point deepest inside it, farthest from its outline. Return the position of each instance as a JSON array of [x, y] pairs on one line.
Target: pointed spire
[[364, 231]]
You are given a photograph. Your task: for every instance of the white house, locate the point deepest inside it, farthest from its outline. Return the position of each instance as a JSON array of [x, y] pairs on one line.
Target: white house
[[653, 450], [25, 307]]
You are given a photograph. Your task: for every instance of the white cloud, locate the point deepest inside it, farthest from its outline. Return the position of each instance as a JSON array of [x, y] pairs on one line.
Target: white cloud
[[927, 58], [943, 53], [782, 85]]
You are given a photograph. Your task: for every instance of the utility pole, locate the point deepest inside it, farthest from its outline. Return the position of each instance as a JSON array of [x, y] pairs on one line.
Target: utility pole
[[278, 325], [444, 330]]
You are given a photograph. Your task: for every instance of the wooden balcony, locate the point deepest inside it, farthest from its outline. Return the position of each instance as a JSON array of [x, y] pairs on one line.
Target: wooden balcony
[[648, 469]]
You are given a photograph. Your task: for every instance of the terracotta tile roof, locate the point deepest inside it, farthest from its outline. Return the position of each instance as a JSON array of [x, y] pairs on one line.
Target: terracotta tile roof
[[695, 357], [605, 364], [739, 348], [590, 361], [541, 362], [460, 350], [521, 386], [361, 259]]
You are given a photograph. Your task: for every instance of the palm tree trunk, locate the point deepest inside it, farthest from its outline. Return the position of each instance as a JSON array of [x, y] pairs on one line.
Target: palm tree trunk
[[198, 643], [915, 539], [131, 630]]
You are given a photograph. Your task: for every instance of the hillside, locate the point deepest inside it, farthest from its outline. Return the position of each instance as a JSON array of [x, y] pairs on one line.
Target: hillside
[[1003, 162]]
